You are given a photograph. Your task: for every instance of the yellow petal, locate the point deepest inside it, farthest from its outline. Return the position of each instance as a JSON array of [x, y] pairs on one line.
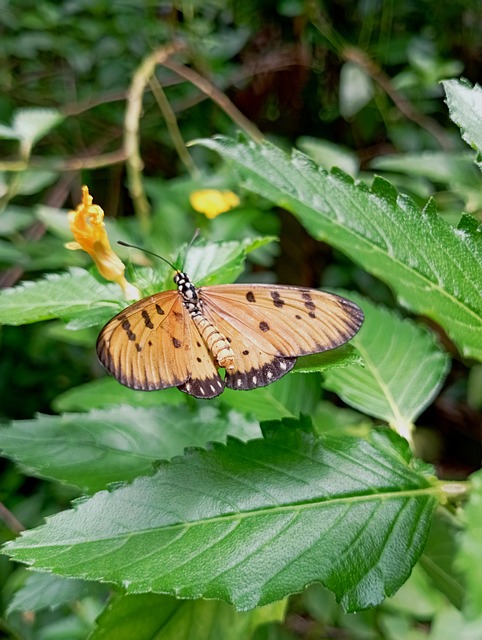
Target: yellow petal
[[72, 246], [88, 228], [212, 202]]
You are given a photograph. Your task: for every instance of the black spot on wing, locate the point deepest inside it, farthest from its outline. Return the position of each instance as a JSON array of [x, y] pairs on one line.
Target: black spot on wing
[[159, 309], [177, 343], [277, 300], [268, 373], [264, 326], [250, 297], [147, 319], [309, 304]]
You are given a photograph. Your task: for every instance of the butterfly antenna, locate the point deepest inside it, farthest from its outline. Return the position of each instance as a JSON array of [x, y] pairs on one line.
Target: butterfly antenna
[[133, 246], [193, 240]]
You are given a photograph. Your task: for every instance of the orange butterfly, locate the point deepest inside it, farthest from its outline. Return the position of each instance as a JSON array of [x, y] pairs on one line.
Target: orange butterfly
[[255, 332]]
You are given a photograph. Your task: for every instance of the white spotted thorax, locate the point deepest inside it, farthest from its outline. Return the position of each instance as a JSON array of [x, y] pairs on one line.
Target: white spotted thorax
[[216, 342]]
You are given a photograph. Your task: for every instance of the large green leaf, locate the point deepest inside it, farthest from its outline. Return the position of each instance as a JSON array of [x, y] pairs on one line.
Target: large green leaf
[[404, 368], [57, 296], [251, 522], [92, 449], [465, 107], [434, 269], [155, 617]]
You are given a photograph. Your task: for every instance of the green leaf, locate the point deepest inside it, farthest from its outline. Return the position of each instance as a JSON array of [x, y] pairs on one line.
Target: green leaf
[[32, 124], [106, 392], [436, 166], [151, 616], [250, 523], [287, 397], [356, 89], [404, 368], [91, 450], [328, 360], [14, 219], [43, 590], [434, 269], [57, 296], [469, 559], [329, 155], [465, 107], [221, 262], [438, 557]]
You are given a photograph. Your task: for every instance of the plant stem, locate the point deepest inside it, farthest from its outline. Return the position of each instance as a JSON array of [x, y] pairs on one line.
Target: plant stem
[[134, 164], [217, 96], [173, 128]]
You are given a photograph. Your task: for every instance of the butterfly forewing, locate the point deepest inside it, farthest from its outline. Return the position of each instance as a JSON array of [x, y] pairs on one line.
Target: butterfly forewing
[[147, 346], [269, 326], [284, 321]]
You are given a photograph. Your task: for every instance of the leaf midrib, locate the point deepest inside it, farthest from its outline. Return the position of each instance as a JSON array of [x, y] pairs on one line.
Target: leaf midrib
[[431, 491], [399, 418]]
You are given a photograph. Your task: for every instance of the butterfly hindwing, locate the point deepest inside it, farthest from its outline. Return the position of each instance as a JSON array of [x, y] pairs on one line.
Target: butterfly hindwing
[[204, 380]]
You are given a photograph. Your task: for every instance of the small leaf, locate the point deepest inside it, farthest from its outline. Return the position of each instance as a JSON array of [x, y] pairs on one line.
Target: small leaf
[[356, 89], [403, 369], [469, 559], [250, 523], [222, 262], [32, 124], [332, 359], [287, 397], [436, 166], [328, 154], [438, 557], [434, 269], [56, 296], [13, 219], [149, 616], [106, 392], [43, 590], [465, 107], [93, 449]]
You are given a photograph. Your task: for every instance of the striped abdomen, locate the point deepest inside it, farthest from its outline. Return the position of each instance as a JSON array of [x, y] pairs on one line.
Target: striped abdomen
[[215, 341]]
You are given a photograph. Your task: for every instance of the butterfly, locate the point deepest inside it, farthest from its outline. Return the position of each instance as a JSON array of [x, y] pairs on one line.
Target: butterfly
[[180, 338]]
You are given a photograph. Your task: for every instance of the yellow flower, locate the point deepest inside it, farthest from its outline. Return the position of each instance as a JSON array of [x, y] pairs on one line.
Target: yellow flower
[[212, 202], [88, 228]]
